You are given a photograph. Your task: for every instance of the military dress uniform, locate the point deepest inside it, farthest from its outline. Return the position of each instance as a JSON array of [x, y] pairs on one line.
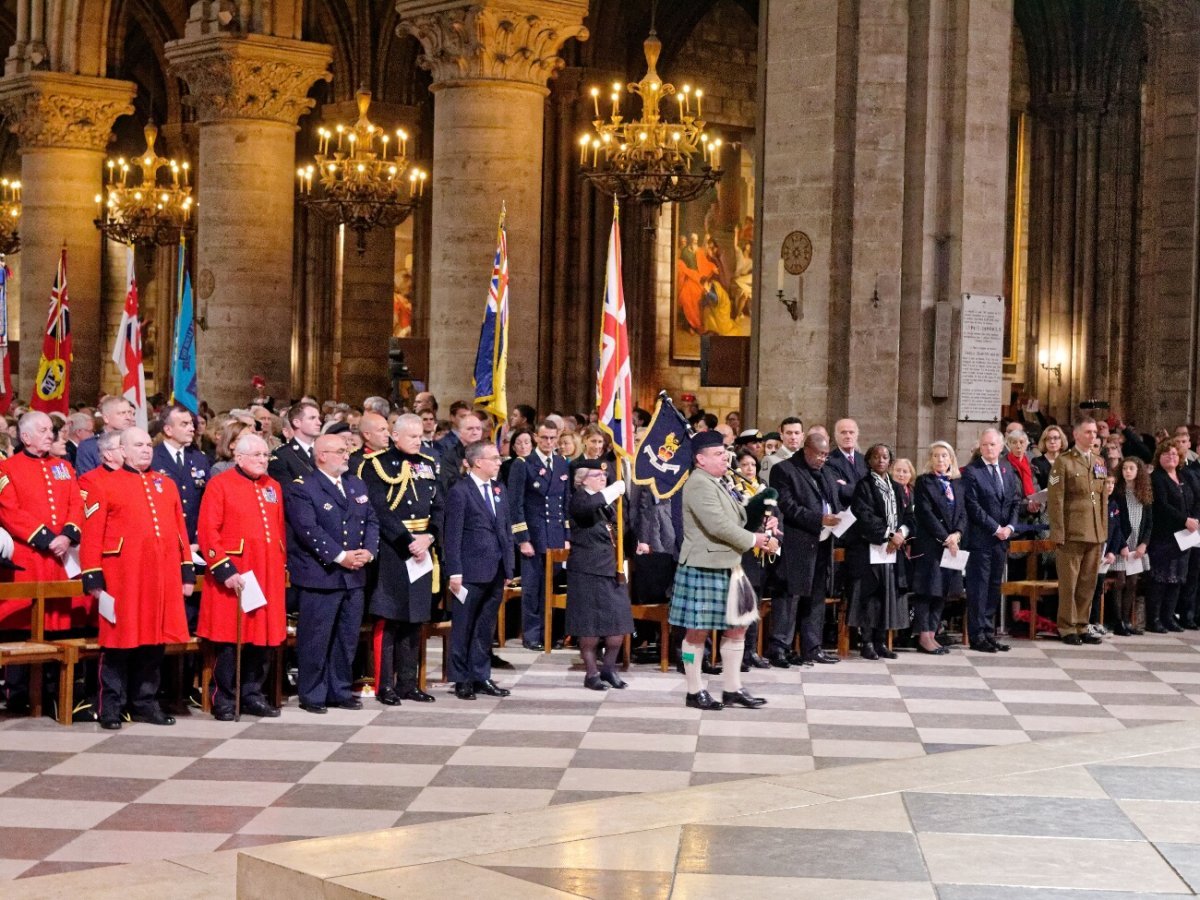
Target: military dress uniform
[[540, 490], [40, 500], [241, 530], [1078, 524], [407, 499], [135, 547]]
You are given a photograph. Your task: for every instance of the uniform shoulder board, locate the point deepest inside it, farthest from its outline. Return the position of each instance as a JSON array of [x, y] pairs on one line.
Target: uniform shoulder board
[[427, 456], [299, 479], [274, 457]]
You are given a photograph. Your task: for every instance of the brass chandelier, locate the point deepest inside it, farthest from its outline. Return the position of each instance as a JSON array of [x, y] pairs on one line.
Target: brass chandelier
[[10, 216], [359, 185], [651, 159], [147, 200]]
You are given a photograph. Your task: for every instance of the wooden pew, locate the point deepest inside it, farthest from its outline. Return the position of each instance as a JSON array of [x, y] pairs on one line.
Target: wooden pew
[[37, 651], [1030, 588]]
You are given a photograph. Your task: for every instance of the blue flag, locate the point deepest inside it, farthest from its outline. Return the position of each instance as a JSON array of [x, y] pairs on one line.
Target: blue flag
[[491, 359], [183, 359], [663, 459]]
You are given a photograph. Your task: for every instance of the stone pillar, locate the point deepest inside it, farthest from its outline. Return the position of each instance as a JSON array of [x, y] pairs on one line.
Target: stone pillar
[[64, 123], [248, 92], [490, 62]]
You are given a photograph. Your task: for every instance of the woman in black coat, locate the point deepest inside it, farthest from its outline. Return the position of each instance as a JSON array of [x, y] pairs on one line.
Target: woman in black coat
[[1168, 564], [876, 604], [1135, 501], [941, 518], [597, 604]]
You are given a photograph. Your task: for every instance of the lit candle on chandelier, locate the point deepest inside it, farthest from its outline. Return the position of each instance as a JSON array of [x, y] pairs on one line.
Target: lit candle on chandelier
[[596, 100], [699, 95], [583, 148]]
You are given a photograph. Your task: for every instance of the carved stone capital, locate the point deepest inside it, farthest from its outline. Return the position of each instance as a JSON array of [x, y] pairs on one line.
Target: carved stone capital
[[50, 109], [250, 77], [494, 40]]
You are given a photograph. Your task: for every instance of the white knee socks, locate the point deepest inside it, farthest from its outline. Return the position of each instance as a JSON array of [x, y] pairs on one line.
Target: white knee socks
[[731, 656], [693, 656]]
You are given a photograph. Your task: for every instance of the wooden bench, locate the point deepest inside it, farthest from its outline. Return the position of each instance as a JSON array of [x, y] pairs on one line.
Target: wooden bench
[[37, 651], [1030, 589]]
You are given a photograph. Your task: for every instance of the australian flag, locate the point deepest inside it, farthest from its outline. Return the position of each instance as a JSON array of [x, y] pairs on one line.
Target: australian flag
[[663, 459]]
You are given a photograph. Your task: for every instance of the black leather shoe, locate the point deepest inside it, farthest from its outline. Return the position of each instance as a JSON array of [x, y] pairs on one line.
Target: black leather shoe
[[352, 703], [983, 646], [1089, 638], [536, 646], [613, 679], [262, 710], [155, 718], [110, 724], [709, 669], [464, 690], [317, 708], [742, 697], [1190, 625], [388, 697], [225, 715], [703, 700], [779, 661], [1172, 626], [498, 663], [1003, 648], [868, 652], [594, 683], [490, 688], [796, 658], [418, 696], [823, 658], [1155, 629], [1073, 639], [757, 661], [1121, 629], [940, 651], [884, 652]]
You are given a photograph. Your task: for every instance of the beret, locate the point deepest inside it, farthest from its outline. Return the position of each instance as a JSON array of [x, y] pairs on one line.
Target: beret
[[705, 439]]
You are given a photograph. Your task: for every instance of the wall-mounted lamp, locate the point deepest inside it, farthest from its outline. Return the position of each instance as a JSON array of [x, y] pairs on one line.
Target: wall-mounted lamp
[[1044, 361]]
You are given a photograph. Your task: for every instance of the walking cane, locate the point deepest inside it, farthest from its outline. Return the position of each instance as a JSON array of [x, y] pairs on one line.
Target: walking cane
[[237, 663]]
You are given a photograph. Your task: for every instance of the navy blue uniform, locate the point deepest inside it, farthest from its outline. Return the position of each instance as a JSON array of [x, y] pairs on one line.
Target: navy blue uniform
[[478, 546], [190, 478], [539, 491], [323, 524]]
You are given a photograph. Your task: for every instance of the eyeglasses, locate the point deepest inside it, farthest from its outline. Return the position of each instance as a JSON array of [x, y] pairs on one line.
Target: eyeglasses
[[342, 452], [495, 458]]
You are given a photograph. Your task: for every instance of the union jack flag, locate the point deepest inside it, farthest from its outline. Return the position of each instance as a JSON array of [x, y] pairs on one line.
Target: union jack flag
[[127, 352], [491, 359], [52, 386], [614, 381]]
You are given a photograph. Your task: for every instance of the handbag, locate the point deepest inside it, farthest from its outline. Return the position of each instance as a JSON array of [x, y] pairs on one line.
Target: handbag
[[741, 603]]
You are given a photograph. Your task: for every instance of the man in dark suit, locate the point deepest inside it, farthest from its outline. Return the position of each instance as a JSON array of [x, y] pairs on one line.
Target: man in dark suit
[[117, 414], [297, 458], [808, 503], [468, 428], [993, 498], [846, 464], [333, 534], [539, 489], [80, 427], [479, 558]]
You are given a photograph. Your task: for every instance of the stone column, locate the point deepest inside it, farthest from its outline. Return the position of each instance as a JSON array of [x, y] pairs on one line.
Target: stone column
[[248, 93], [64, 123], [490, 62]]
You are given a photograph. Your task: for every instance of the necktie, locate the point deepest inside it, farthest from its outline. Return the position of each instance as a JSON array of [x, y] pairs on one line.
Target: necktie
[[341, 490], [487, 496], [179, 458], [997, 478]]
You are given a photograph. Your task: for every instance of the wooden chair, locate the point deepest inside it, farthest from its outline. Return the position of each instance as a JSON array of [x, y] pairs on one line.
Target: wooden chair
[[429, 630], [510, 593], [37, 651], [554, 600], [1030, 589], [652, 612]]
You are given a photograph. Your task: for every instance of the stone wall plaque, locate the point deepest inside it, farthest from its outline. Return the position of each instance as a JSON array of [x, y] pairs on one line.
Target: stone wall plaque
[[980, 358], [206, 283]]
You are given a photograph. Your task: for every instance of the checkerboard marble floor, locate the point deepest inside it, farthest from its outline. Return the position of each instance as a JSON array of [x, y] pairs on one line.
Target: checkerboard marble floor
[[75, 798]]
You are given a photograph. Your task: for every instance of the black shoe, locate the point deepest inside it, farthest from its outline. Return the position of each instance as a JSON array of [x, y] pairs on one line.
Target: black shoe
[[745, 667], [1121, 629], [709, 669], [594, 683], [418, 696], [1088, 638], [796, 658], [757, 661], [884, 652], [868, 652], [557, 645], [1172, 625], [1190, 625], [613, 679], [1134, 630], [110, 724], [490, 688], [316, 708], [703, 700], [940, 651], [536, 646], [779, 661], [388, 697], [262, 710], [825, 659], [983, 646], [352, 703], [1073, 639], [464, 690], [84, 712], [1155, 629], [1003, 648], [498, 663], [224, 715], [742, 697], [158, 717]]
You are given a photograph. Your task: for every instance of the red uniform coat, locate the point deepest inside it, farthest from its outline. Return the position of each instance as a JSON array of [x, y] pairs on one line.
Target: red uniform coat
[[40, 500], [241, 529], [135, 546]]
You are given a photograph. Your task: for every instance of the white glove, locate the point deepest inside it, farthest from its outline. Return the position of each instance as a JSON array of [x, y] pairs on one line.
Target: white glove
[[6, 544], [613, 491]]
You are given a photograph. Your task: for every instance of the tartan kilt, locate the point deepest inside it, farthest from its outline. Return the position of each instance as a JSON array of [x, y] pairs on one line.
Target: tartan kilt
[[699, 598]]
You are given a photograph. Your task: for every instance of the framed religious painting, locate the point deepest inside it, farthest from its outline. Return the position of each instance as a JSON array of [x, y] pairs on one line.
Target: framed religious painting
[[712, 254]]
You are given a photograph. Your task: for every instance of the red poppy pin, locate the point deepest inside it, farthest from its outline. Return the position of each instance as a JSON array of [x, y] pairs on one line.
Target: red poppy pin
[[496, 490]]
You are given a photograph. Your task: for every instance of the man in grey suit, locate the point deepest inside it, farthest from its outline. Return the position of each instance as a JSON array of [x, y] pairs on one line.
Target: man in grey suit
[[714, 539]]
